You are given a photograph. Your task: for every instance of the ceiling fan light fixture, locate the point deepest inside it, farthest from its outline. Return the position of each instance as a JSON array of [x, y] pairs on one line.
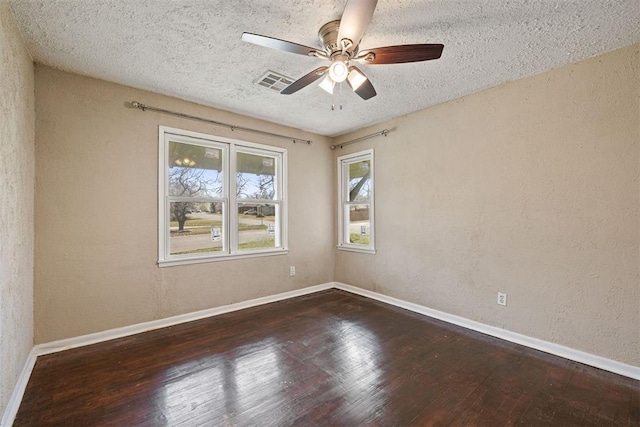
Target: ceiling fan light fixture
[[327, 84], [356, 78], [338, 71]]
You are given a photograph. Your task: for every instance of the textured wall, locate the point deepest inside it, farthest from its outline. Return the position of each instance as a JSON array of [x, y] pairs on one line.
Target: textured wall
[[530, 188], [96, 212], [16, 204]]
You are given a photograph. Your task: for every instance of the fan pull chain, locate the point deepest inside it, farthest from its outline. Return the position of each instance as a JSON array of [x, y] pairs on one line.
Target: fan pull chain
[[333, 100], [339, 97]]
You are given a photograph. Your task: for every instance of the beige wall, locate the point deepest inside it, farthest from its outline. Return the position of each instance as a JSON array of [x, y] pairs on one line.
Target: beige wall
[[16, 203], [530, 188], [96, 220]]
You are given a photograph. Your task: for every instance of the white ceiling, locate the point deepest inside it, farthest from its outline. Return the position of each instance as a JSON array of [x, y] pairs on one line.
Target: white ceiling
[[191, 49]]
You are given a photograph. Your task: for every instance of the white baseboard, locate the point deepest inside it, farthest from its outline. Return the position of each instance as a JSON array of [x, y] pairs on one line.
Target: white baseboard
[[69, 343], [535, 343], [18, 391]]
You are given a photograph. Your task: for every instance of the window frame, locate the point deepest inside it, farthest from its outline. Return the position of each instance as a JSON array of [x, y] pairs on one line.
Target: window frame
[[230, 233], [343, 163]]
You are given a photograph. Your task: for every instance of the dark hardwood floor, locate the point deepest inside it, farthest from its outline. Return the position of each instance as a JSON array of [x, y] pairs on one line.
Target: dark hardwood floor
[[330, 358]]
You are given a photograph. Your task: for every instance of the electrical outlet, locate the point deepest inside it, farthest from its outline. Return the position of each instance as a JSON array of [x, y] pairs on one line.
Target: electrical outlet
[[292, 271], [502, 299]]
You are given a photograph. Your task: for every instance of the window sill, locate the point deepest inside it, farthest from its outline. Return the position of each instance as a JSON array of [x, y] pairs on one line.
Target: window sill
[[199, 260], [361, 250]]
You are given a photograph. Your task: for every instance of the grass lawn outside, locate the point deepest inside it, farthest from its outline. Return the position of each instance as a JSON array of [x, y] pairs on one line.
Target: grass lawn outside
[[264, 243], [203, 226], [358, 239]]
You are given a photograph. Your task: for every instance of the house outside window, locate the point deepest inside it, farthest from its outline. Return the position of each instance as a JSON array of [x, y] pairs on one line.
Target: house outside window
[[356, 215], [220, 198]]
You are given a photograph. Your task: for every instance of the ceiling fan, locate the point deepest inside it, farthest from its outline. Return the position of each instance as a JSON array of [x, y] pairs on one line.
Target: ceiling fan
[[340, 40]]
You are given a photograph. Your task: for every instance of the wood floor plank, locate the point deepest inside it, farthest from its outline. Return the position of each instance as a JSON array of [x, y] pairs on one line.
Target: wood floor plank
[[326, 359]]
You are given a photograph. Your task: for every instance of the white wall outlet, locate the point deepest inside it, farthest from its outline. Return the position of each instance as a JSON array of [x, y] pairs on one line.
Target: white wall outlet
[[502, 299], [292, 271]]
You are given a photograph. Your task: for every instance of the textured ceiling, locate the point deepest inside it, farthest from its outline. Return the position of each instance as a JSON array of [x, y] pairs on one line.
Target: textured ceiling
[[191, 49]]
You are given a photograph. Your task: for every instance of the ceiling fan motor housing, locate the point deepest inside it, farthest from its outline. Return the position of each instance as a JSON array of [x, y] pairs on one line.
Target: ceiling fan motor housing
[[328, 35]]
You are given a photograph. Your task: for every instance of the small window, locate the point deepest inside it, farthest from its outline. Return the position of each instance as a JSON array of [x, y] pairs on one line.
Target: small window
[[355, 177], [219, 198]]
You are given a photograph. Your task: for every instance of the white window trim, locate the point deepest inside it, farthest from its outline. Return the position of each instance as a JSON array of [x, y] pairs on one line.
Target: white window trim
[[229, 147], [342, 201]]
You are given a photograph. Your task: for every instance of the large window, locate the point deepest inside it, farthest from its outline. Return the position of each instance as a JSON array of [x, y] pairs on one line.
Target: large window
[[219, 198], [355, 178]]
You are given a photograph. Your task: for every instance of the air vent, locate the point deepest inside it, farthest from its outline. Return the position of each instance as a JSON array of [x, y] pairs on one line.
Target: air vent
[[273, 80]]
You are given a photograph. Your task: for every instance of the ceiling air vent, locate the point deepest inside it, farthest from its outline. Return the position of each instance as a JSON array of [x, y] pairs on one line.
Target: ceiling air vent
[[273, 80]]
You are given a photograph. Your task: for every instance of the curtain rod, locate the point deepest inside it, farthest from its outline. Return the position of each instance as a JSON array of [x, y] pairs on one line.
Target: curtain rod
[[384, 132], [145, 107]]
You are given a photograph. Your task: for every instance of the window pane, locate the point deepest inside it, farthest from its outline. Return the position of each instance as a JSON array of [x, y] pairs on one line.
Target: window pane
[[257, 226], [359, 226], [201, 216], [256, 177], [359, 181], [195, 227], [194, 171]]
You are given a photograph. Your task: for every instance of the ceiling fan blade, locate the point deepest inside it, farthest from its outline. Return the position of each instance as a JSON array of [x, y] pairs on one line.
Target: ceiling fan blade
[[304, 81], [360, 83], [278, 44], [401, 54], [355, 19]]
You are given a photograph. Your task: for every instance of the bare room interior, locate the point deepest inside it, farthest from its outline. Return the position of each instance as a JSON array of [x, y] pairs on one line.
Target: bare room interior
[[345, 212]]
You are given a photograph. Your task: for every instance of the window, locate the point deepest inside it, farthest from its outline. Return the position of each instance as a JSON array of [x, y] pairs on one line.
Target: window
[[219, 198], [355, 178]]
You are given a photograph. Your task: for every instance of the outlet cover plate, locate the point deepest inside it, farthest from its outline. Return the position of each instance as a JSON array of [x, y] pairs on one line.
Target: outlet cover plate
[[502, 299]]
